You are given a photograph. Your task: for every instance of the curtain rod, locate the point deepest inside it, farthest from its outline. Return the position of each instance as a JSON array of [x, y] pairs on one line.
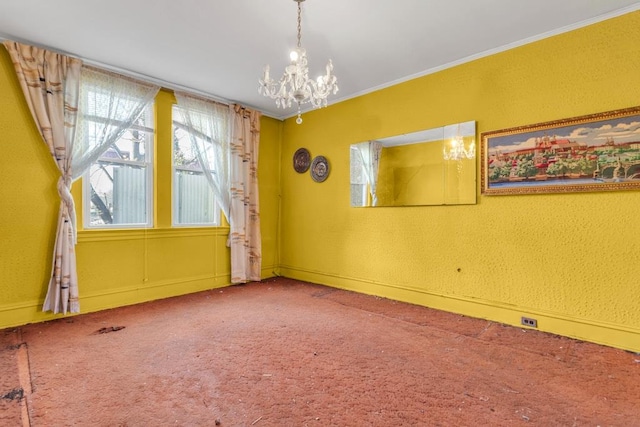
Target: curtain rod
[[153, 80], [128, 73]]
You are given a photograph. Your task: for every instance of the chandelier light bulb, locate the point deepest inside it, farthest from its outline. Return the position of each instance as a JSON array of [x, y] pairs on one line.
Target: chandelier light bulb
[[295, 86], [456, 150]]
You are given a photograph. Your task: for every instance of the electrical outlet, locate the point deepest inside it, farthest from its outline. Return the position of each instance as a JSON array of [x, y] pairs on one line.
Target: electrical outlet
[[528, 321]]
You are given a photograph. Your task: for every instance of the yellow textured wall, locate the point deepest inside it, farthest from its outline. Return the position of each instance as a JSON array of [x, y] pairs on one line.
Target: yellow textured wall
[[27, 219], [115, 267], [568, 260]]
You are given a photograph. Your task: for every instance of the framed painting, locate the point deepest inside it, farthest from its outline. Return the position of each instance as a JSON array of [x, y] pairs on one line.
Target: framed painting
[[598, 152]]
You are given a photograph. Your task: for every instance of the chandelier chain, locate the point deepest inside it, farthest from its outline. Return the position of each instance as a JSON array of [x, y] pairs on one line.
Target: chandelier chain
[[299, 25]]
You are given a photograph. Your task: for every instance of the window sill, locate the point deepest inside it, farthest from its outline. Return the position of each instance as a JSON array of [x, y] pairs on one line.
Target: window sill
[[148, 233]]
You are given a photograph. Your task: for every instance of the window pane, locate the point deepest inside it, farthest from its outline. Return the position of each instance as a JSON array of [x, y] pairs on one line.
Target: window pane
[[132, 146], [359, 186], [119, 182], [118, 194], [358, 195], [195, 203], [357, 173], [193, 198]]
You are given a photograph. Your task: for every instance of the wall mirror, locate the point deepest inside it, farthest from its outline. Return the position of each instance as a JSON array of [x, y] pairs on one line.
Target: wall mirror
[[430, 167]]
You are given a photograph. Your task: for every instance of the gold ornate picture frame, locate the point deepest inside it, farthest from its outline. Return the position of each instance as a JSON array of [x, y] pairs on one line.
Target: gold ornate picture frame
[[597, 152]]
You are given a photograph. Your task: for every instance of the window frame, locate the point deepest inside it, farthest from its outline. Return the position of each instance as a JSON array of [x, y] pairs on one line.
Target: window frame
[[148, 165], [364, 187], [217, 214]]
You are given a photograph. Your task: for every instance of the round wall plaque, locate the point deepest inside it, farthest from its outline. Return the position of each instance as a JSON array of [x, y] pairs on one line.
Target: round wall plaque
[[320, 169], [301, 160]]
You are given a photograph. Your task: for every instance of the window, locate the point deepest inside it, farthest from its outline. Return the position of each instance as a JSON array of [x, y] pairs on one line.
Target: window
[[359, 187], [194, 202], [118, 185], [116, 125]]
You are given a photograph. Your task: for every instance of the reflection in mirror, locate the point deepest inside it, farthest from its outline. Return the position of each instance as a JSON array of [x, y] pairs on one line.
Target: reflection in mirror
[[430, 167]]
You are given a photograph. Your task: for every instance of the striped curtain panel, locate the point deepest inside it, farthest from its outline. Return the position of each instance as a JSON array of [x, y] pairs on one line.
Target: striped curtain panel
[[245, 237], [50, 83]]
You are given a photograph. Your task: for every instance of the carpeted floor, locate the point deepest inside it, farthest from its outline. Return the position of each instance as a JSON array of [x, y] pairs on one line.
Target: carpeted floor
[[287, 353]]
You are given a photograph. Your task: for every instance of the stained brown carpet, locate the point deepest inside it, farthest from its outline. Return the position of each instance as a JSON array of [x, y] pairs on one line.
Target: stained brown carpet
[[288, 353]]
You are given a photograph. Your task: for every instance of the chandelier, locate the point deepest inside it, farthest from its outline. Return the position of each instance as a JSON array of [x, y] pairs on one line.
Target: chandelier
[[294, 86], [456, 150]]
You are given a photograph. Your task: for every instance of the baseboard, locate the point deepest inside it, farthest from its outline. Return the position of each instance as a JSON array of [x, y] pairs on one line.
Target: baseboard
[[269, 271], [31, 311], [609, 334]]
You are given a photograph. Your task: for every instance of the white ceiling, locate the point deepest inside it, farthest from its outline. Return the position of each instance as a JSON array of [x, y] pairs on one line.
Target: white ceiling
[[220, 47]]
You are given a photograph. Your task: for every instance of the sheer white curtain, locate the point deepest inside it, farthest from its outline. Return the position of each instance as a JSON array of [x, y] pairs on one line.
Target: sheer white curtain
[[208, 125], [109, 105], [370, 154]]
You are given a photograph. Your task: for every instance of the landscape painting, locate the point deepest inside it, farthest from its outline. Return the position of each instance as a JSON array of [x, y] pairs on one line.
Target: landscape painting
[[599, 152]]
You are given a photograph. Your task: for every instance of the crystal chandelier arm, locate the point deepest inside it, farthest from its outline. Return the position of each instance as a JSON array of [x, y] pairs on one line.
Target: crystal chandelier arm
[[323, 87]]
